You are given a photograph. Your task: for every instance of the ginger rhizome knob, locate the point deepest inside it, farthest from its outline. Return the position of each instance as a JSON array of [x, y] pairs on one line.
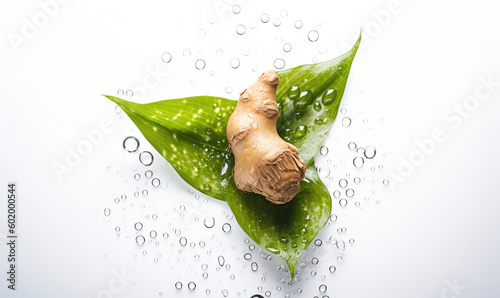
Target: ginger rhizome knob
[[264, 163]]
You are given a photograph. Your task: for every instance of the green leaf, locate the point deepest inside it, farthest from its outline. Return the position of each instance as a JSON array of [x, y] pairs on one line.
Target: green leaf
[[321, 86], [190, 133], [287, 230]]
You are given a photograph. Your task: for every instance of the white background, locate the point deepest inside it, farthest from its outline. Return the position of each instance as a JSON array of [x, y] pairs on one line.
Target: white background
[[436, 223]]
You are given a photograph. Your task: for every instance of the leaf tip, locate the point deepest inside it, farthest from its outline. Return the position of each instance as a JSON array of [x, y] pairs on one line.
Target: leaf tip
[[112, 98], [355, 47], [120, 102]]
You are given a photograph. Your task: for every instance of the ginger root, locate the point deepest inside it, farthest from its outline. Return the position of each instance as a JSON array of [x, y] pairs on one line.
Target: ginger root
[[264, 163]]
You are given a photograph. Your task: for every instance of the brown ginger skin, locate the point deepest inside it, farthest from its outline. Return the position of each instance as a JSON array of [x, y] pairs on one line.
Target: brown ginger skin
[[264, 163]]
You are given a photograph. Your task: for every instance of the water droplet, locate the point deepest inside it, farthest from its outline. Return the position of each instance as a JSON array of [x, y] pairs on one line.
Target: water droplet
[[131, 144], [293, 93], [166, 57], [322, 288], [264, 18], [200, 64], [300, 131], [148, 174], [225, 292], [340, 244], [343, 183], [276, 22], [370, 152], [191, 285], [137, 176], [314, 261], [235, 63], [138, 226], [358, 162], [298, 24], [165, 235], [385, 182], [245, 51], [352, 146], [129, 93], [305, 98], [209, 222], [332, 269], [140, 239], [155, 182], [324, 172], [226, 227], [178, 285], [240, 29], [346, 121], [186, 52], [117, 229], [318, 242], [313, 35], [107, 212], [183, 241], [120, 92], [153, 234], [323, 150], [343, 202], [287, 47], [221, 260], [247, 256], [236, 9], [322, 49], [251, 247], [349, 192], [320, 121], [279, 63], [317, 108], [254, 266], [357, 180], [146, 158], [333, 217], [329, 97], [351, 241]]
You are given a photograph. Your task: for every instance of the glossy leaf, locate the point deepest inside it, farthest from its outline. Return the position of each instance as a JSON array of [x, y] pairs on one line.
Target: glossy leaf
[[287, 230], [190, 133], [324, 83]]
